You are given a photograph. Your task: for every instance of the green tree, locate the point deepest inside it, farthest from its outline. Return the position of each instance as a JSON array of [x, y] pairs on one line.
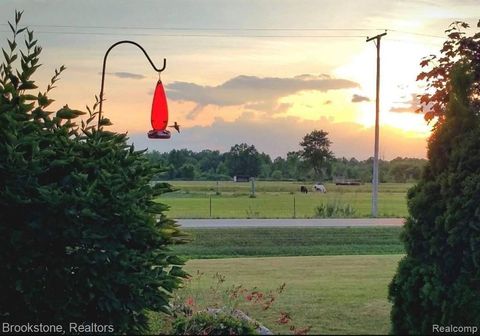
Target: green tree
[[438, 282], [243, 159], [316, 151], [277, 175], [81, 237], [187, 171], [208, 160], [293, 165]]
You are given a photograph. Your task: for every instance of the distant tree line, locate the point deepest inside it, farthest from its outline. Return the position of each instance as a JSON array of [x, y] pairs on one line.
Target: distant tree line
[[244, 159]]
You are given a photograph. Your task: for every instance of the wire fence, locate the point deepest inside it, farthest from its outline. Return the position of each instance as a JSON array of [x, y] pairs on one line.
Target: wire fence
[[313, 205]]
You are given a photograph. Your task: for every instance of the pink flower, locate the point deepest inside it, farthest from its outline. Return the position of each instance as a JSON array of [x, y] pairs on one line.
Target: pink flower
[[284, 318], [190, 301]]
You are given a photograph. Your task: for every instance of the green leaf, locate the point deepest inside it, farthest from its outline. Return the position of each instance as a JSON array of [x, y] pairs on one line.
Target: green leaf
[[178, 272], [29, 97], [43, 100], [39, 113], [30, 45], [18, 16], [105, 122], [14, 79], [67, 113], [12, 45], [11, 27], [5, 55], [28, 85]]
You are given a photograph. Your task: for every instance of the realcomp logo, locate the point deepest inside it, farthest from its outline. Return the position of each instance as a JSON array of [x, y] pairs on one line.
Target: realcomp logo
[[453, 329]]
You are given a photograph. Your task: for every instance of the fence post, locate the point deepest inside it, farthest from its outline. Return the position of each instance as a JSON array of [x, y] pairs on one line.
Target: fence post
[[252, 192], [210, 206], [294, 208]]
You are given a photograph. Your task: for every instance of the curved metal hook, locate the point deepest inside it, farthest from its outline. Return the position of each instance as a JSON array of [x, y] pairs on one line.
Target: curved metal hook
[[105, 64]]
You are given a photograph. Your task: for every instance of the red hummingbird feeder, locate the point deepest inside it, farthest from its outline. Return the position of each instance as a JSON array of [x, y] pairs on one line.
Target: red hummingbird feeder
[[159, 115]]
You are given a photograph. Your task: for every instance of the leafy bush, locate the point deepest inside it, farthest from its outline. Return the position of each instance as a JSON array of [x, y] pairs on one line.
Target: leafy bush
[[207, 323], [438, 280], [333, 209], [193, 304], [81, 239]]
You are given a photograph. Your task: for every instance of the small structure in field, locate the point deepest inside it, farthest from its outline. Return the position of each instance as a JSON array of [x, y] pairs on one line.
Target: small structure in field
[[241, 178], [344, 181]]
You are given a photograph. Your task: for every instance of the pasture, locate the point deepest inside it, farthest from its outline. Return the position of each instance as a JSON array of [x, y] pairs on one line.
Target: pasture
[[332, 294], [206, 199]]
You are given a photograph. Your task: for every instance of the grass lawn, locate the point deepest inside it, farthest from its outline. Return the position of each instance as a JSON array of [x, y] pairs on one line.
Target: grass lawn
[[261, 242], [333, 294], [269, 204]]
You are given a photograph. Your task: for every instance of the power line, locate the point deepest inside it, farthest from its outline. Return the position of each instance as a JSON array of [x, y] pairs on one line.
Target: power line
[[194, 35], [413, 41], [167, 28], [219, 29], [225, 35], [416, 34], [200, 28]]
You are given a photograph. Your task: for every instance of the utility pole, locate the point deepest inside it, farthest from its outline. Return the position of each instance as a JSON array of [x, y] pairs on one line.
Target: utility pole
[[377, 40]]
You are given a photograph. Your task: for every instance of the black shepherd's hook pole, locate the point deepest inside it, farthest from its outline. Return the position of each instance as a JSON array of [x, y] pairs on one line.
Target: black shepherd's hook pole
[[105, 64]]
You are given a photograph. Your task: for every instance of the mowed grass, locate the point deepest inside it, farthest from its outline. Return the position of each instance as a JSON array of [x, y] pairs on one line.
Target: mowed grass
[[333, 294], [278, 200], [262, 242]]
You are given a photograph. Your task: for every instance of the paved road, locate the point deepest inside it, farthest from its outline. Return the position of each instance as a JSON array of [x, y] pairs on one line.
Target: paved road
[[337, 222]]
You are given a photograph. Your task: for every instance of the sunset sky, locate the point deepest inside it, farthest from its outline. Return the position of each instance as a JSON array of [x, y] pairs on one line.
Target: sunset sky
[[264, 72]]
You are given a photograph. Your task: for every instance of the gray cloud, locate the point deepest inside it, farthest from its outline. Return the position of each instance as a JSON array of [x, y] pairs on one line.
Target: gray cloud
[[254, 92], [196, 110], [269, 106], [409, 106], [128, 75], [402, 109], [311, 77], [358, 98]]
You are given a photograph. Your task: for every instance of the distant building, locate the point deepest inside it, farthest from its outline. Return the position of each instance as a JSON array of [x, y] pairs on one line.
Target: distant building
[[241, 178], [344, 181]]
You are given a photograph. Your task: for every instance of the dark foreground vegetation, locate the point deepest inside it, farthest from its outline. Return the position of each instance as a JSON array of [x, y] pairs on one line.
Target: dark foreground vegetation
[[437, 283], [81, 239]]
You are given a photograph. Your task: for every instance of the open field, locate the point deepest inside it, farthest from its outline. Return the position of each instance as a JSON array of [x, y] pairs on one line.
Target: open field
[[280, 186], [333, 294], [199, 199], [262, 242]]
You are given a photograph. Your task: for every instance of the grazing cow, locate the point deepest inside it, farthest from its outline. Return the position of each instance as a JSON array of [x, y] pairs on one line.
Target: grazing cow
[[303, 189], [320, 187]]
